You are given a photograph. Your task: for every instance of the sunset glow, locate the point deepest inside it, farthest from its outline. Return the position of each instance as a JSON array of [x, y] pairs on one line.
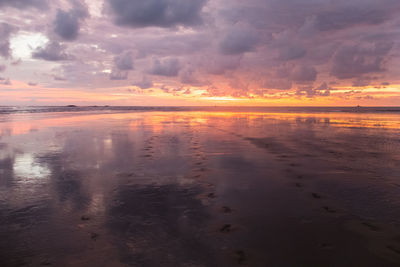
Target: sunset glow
[[215, 52]]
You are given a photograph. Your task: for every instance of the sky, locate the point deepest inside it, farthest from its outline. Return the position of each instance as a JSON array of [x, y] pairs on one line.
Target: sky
[[200, 52]]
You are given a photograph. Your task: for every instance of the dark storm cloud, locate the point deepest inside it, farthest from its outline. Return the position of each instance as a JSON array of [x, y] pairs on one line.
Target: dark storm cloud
[[219, 65], [53, 51], [67, 23], [124, 61], [5, 32], [345, 17], [238, 42], [159, 13], [168, 67], [291, 52], [231, 47], [24, 3], [352, 61], [362, 81], [278, 84], [190, 77], [145, 83], [304, 74]]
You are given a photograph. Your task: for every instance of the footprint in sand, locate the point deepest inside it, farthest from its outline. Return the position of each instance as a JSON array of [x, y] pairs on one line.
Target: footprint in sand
[[294, 165], [393, 249], [211, 195], [85, 218], [329, 209], [326, 246], [316, 196], [94, 236], [226, 228], [371, 226], [241, 256], [226, 209]]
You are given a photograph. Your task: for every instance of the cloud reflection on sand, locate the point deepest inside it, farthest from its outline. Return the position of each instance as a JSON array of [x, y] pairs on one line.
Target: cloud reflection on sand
[[142, 188]]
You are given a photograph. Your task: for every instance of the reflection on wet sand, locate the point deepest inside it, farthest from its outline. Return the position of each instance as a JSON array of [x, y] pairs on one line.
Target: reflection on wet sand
[[199, 189]]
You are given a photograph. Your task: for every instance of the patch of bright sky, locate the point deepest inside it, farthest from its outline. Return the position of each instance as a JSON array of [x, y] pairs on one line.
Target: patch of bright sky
[[95, 8], [23, 44]]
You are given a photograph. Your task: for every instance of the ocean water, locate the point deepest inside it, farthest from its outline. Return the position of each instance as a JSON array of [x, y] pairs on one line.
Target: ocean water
[[199, 186], [72, 108]]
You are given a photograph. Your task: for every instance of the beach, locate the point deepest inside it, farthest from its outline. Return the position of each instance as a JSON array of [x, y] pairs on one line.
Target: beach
[[199, 187]]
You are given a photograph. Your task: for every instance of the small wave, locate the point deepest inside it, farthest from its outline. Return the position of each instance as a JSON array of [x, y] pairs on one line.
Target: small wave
[[73, 108]]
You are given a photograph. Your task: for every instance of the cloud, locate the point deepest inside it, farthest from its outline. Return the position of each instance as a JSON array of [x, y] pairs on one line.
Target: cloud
[[58, 78], [352, 61], [159, 13], [255, 48], [188, 76], [145, 83], [303, 74], [67, 23], [117, 75], [220, 64], [16, 62], [291, 52], [22, 4], [2, 68], [168, 67], [278, 84], [5, 32], [238, 41], [362, 82], [32, 84], [310, 92], [124, 61], [349, 16], [53, 51], [5, 81]]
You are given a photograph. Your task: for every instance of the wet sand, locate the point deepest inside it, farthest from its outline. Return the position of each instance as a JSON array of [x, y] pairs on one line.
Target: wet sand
[[199, 189]]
